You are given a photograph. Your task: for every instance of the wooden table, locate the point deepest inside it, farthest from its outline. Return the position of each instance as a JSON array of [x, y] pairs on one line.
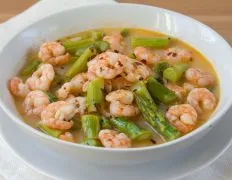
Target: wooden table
[[215, 13]]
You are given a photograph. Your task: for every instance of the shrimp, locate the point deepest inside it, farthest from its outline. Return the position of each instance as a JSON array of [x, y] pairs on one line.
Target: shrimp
[[113, 139], [53, 53], [120, 83], [107, 65], [75, 86], [188, 87], [120, 109], [135, 71], [116, 42], [144, 54], [79, 102], [35, 102], [121, 95], [58, 115], [67, 136], [42, 78], [183, 117], [179, 91], [202, 99], [197, 77], [174, 55], [17, 87]]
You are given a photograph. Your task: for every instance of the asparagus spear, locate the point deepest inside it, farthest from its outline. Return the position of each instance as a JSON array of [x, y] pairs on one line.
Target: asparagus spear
[[150, 42], [52, 97], [72, 46], [149, 111], [92, 142], [160, 92], [52, 132], [105, 123], [30, 68], [159, 68], [91, 128], [80, 64], [125, 32], [175, 72], [97, 35], [130, 129], [95, 94]]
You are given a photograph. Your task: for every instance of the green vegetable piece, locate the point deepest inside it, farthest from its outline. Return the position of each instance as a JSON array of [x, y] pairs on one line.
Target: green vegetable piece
[[125, 32], [90, 125], [80, 64], [76, 124], [30, 68], [80, 51], [130, 129], [155, 119], [160, 92], [73, 46], [159, 68], [95, 94], [51, 132], [175, 72], [92, 142], [132, 56], [97, 35], [105, 123], [52, 97], [150, 42], [102, 46]]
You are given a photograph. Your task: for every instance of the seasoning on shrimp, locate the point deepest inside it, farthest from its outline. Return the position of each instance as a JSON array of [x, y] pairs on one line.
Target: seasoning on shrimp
[[116, 42], [58, 115], [199, 78], [144, 54], [202, 99], [174, 55], [53, 53], [183, 117], [42, 78], [113, 139], [35, 102], [17, 87]]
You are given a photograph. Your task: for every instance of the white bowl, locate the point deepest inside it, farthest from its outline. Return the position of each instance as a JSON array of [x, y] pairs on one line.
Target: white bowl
[[207, 41]]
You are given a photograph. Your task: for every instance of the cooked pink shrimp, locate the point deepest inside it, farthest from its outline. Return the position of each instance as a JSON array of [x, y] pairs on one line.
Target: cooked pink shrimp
[[197, 77], [17, 87], [35, 102], [107, 65], [121, 95], [116, 42], [120, 109], [67, 136], [188, 86], [145, 54], [202, 99], [79, 102], [53, 53], [134, 71], [42, 78], [179, 91], [183, 117], [58, 115], [113, 139], [174, 55], [120, 83], [75, 86]]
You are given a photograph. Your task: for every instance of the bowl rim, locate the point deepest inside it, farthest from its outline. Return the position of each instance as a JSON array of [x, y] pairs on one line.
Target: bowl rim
[[208, 124]]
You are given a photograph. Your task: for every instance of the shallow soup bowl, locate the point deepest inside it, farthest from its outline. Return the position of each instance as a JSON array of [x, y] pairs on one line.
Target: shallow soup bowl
[[67, 22]]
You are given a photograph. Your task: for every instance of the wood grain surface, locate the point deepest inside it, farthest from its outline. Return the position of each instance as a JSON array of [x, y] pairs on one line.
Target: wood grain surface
[[215, 13]]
